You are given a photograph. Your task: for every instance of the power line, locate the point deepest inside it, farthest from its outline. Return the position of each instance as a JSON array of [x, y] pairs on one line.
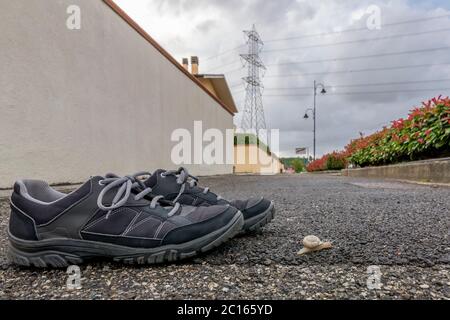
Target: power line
[[360, 40], [388, 83], [389, 91], [358, 70], [223, 65], [328, 33], [366, 84], [357, 29], [356, 93], [361, 57], [223, 53], [290, 88], [235, 85], [340, 43], [345, 58], [233, 70]]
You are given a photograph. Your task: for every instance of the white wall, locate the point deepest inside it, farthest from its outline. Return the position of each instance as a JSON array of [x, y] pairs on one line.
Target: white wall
[[76, 103]]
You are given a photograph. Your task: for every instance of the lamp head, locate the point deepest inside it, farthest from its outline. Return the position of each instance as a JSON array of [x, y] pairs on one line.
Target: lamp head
[[323, 91]]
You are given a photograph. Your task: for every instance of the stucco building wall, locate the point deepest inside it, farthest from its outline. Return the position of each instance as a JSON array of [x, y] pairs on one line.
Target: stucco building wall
[[253, 160], [76, 103]]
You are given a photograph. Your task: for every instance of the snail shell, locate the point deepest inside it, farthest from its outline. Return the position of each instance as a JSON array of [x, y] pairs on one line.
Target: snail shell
[[311, 242]]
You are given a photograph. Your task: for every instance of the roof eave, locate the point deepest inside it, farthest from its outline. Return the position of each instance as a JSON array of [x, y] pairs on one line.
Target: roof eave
[[165, 54]]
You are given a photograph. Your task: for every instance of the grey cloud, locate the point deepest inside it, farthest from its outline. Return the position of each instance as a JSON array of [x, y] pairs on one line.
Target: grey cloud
[[340, 117], [206, 26]]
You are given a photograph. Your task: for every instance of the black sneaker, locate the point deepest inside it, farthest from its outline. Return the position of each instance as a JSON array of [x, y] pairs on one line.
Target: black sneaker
[[107, 218], [179, 186]]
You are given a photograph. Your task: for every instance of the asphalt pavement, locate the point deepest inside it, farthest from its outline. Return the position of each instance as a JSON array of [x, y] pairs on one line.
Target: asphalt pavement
[[390, 241]]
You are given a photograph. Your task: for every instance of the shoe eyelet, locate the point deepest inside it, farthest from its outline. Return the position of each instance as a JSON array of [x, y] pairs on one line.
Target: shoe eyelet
[[100, 183], [163, 175]]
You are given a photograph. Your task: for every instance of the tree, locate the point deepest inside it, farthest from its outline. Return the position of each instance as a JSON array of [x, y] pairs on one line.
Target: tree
[[298, 165]]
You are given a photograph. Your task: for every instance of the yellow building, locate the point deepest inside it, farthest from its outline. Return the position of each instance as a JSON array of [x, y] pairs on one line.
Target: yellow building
[[253, 157]]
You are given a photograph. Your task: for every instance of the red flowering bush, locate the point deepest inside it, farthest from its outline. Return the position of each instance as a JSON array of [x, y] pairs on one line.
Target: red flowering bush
[[332, 161], [424, 134], [318, 165]]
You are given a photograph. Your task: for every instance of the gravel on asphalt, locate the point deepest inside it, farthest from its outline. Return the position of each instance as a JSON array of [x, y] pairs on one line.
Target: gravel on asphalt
[[401, 228]]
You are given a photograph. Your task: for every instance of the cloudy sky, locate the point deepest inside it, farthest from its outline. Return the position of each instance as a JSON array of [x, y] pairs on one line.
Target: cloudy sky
[[307, 40]]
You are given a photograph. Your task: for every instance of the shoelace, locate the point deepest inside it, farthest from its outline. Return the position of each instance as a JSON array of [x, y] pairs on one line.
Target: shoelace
[[125, 185], [183, 178]]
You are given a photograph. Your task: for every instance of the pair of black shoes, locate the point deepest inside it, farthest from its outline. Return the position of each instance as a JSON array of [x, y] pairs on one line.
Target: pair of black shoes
[[145, 219]]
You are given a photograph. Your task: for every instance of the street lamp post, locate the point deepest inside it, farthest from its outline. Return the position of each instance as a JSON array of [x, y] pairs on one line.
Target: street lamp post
[[314, 130], [316, 86]]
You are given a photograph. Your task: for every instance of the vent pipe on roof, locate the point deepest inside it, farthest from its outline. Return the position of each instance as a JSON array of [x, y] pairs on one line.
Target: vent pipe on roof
[[194, 65], [185, 63]]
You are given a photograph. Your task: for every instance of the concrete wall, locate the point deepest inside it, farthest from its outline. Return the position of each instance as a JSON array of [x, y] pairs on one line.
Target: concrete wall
[[76, 103], [435, 171]]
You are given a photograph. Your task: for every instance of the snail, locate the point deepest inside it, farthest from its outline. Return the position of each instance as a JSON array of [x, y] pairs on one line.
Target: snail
[[312, 244]]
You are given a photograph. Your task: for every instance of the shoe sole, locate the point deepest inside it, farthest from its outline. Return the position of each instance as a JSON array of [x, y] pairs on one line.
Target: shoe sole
[[60, 253], [256, 223]]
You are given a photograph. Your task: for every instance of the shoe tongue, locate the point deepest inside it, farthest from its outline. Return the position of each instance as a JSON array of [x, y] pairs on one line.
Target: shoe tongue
[[153, 179]]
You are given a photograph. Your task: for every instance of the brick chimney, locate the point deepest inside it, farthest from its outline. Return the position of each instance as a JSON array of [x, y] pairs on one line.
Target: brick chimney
[[194, 65], [185, 63]]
